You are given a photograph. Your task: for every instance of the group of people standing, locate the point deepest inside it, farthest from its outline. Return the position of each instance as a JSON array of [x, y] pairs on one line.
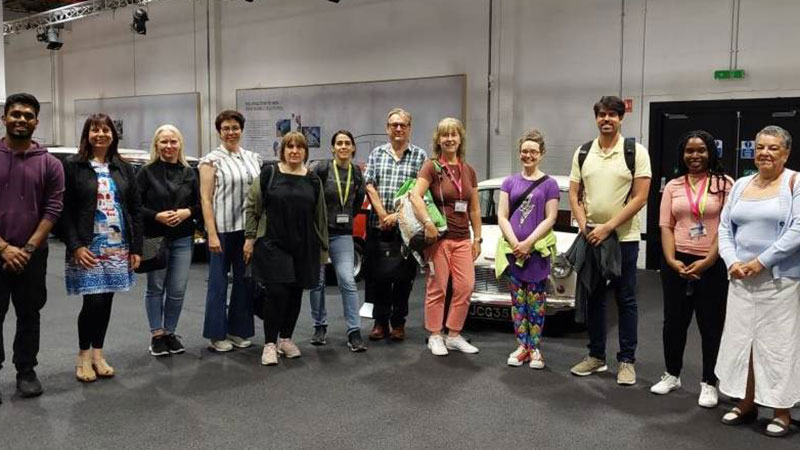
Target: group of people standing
[[728, 246]]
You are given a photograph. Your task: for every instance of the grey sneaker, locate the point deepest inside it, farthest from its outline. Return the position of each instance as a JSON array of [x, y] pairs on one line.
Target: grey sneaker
[[627, 374], [238, 342], [269, 357], [221, 345], [288, 349], [319, 337], [588, 366], [355, 343]]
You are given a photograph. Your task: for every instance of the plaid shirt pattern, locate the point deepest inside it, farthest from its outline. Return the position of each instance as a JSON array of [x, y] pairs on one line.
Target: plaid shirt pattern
[[387, 175]]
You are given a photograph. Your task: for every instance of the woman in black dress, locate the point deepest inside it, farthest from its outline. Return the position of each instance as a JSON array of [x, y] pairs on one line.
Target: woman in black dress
[[286, 235]]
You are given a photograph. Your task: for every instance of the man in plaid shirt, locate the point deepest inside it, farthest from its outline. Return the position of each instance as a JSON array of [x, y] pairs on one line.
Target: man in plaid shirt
[[388, 167]]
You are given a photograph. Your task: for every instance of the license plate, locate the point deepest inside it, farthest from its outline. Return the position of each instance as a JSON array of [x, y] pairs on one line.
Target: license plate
[[490, 312]]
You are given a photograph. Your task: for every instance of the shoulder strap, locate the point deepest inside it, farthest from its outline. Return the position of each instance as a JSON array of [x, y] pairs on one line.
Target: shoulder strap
[[630, 161], [527, 192], [583, 152]]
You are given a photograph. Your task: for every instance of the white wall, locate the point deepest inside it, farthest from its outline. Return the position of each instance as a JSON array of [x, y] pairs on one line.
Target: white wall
[[263, 44], [567, 54], [552, 58]]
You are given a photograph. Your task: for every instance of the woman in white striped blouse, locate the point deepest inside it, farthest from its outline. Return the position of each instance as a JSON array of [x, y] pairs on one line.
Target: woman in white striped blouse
[[226, 174]]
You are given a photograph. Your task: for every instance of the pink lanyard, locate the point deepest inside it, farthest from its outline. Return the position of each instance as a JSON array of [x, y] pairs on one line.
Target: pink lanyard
[[456, 183], [698, 205]]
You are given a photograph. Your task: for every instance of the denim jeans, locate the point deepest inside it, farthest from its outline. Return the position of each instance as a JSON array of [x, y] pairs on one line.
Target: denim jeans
[[625, 293], [235, 318], [342, 257], [163, 298]]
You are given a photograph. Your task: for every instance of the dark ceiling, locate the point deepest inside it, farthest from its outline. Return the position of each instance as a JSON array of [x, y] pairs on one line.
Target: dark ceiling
[[34, 6]]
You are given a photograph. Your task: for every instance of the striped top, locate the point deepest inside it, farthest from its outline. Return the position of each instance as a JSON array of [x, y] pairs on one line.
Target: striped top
[[235, 172]]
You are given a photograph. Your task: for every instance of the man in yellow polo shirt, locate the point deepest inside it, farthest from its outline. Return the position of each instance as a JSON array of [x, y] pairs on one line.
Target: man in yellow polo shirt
[[612, 199]]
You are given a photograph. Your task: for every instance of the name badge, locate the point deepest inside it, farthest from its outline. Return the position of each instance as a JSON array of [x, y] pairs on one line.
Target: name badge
[[697, 231], [343, 218], [461, 206]]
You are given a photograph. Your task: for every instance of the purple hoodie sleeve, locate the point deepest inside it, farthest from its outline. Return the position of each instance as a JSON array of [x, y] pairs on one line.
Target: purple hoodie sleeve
[[54, 195]]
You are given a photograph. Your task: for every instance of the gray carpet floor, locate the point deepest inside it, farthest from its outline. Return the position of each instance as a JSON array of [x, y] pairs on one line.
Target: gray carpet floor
[[396, 395]]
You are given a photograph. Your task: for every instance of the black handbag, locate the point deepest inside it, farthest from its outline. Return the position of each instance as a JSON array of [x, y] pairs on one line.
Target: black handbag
[[154, 255], [388, 262]]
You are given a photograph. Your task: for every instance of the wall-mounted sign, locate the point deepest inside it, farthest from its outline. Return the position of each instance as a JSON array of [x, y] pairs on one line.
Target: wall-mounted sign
[[748, 150]]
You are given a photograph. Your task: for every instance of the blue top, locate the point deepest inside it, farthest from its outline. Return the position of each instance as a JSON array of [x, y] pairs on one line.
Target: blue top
[[755, 221], [781, 252]]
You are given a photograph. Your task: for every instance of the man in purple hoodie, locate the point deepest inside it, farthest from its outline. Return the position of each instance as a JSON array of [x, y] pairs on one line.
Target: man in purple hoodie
[[31, 199]]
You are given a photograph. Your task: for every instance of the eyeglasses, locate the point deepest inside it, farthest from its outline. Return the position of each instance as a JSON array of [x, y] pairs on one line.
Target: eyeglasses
[[400, 125], [530, 152]]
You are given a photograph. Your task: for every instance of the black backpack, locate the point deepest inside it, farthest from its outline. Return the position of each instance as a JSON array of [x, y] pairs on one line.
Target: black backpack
[[630, 161]]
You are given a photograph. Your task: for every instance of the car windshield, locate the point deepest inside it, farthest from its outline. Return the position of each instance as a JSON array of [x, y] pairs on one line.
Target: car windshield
[[489, 198]]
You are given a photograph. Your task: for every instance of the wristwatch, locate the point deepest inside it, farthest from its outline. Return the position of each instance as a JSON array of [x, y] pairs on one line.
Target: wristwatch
[[29, 248], [479, 240]]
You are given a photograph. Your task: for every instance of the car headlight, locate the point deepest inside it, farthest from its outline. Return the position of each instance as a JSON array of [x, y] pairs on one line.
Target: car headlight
[[561, 267]]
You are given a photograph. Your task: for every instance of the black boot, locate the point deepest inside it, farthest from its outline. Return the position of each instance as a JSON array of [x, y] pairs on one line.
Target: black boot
[[28, 384]]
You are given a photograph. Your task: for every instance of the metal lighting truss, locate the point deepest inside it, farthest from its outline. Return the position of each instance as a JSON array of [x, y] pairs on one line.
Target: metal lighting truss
[[66, 14]]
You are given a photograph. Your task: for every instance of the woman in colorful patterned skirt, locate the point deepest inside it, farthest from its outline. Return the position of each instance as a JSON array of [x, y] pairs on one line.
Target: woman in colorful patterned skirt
[[103, 234]]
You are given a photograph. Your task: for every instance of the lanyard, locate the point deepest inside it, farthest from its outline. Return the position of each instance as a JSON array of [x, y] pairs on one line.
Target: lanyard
[[698, 205], [456, 183], [343, 199]]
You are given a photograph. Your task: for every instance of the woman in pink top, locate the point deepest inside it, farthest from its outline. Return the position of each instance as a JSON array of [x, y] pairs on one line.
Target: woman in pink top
[[693, 277]]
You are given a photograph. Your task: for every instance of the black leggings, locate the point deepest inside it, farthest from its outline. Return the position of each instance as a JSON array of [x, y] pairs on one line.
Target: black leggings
[[706, 300], [281, 310], [93, 320]]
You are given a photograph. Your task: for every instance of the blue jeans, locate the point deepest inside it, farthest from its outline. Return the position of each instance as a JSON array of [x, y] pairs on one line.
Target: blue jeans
[[625, 290], [342, 257], [237, 317], [163, 298]]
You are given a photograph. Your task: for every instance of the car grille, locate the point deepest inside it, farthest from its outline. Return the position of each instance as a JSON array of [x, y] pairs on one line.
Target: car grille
[[487, 283]]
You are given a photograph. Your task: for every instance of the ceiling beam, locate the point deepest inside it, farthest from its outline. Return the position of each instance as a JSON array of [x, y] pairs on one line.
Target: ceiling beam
[[65, 14]]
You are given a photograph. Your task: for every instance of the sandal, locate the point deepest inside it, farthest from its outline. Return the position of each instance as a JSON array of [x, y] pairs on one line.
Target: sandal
[[84, 371], [102, 368], [736, 417], [776, 428]]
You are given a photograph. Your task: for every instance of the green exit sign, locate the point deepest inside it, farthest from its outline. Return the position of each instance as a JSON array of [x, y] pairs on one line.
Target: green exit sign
[[729, 74]]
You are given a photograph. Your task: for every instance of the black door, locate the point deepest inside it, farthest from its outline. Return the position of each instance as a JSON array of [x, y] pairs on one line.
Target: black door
[[752, 121], [733, 123]]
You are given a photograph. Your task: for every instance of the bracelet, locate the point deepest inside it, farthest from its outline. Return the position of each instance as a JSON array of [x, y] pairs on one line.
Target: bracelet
[[428, 220]]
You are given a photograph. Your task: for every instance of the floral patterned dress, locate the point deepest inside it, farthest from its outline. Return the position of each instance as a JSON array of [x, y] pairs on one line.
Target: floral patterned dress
[[109, 246]]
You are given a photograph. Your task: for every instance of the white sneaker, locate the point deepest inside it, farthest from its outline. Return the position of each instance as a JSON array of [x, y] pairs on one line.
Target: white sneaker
[[537, 362], [518, 357], [708, 396], [220, 346], [436, 345], [288, 349], [269, 357], [460, 344], [238, 342], [667, 384]]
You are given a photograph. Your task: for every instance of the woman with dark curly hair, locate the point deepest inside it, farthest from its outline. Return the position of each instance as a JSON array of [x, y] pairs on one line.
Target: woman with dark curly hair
[[693, 277]]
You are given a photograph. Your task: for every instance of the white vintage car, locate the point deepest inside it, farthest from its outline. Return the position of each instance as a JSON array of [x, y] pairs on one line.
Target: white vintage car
[[491, 298]]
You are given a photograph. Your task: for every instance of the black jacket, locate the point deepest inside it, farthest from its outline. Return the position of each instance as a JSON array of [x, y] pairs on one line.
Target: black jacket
[[163, 186], [593, 266], [80, 203]]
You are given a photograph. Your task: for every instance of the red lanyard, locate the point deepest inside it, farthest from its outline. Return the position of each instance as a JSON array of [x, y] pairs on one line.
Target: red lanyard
[[698, 205], [456, 183]]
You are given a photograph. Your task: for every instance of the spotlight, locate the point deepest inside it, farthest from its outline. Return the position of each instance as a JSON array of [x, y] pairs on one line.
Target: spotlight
[[50, 36], [334, 1], [139, 19]]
